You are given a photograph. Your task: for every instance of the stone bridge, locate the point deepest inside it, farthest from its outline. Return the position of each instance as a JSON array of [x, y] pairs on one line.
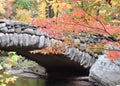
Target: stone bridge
[[22, 38]]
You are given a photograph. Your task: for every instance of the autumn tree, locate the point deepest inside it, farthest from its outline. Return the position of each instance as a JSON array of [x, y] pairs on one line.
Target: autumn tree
[[62, 19], [87, 16]]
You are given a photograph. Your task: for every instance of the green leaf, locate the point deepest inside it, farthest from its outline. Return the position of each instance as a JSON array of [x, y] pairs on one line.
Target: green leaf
[[24, 4], [1, 67], [11, 53], [5, 65], [68, 12], [115, 35], [108, 18], [14, 58]]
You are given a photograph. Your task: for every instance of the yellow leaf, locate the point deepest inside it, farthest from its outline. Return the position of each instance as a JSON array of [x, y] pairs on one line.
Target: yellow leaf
[[6, 73], [1, 80], [23, 15], [51, 1], [96, 1], [41, 10], [102, 12], [115, 2], [2, 10], [55, 8], [3, 85]]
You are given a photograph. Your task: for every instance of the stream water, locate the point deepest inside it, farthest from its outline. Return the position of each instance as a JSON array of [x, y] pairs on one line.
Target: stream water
[[22, 81]]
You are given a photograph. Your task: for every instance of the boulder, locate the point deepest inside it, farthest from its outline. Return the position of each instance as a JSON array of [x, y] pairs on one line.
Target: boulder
[[36, 71], [104, 72]]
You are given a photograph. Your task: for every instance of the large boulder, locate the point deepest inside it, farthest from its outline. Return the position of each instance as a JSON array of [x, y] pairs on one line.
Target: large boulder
[[105, 72]]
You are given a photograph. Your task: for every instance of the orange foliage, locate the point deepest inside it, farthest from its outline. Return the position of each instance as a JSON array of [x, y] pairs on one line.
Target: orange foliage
[[76, 22], [113, 55], [9, 8], [48, 50]]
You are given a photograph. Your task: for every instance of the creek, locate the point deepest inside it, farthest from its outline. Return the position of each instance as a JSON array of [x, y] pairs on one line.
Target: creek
[[24, 81]]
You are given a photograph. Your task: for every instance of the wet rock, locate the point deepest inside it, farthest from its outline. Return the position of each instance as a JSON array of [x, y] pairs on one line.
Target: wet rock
[[22, 73], [15, 71], [39, 70], [105, 73], [29, 75], [34, 71], [82, 83]]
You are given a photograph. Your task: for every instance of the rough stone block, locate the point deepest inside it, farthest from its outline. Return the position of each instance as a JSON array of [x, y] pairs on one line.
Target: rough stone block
[[2, 24], [104, 72], [4, 29], [29, 31], [41, 41]]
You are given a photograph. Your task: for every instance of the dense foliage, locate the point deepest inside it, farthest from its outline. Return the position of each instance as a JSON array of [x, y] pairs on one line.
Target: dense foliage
[[91, 17], [61, 19], [12, 61]]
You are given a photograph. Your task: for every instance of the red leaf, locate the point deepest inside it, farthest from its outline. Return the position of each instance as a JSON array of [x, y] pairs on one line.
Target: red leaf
[[113, 54]]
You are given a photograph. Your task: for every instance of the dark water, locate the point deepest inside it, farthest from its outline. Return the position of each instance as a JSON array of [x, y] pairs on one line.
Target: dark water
[[22, 81]]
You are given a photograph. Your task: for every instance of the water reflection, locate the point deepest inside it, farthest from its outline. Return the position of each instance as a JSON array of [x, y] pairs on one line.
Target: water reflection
[[22, 81]]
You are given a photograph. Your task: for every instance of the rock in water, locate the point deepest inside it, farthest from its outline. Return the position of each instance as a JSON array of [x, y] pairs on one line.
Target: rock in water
[[105, 73]]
